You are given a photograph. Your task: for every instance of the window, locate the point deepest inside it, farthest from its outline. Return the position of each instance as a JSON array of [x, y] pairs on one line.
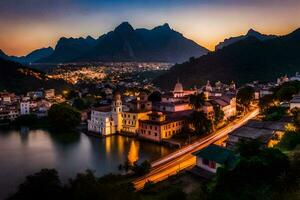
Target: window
[[212, 164], [155, 134], [205, 162]]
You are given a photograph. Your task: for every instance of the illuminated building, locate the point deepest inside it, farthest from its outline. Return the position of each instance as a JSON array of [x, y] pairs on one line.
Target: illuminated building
[[162, 126], [107, 120]]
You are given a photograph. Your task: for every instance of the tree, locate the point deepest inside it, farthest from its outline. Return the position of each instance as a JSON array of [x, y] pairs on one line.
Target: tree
[[286, 93], [248, 149], [197, 101], [141, 169], [200, 122], [265, 102], [155, 96], [41, 185], [245, 96], [296, 117], [63, 117], [218, 115], [79, 104], [254, 177], [85, 186]]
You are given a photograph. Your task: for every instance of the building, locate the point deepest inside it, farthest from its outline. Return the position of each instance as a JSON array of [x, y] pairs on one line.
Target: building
[[49, 94], [24, 108], [9, 113], [178, 90], [282, 80], [141, 103], [172, 106], [268, 133], [296, 77], [227, 103], [213, 157], [107, 120], [162, 126], [295, 102], [101, 121], [131, 120]]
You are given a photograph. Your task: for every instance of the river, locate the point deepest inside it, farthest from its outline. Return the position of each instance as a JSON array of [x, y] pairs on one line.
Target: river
[[23, 152]]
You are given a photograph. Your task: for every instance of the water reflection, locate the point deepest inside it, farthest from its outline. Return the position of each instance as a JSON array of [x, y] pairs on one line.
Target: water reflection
[[25, 152], [133, 154]]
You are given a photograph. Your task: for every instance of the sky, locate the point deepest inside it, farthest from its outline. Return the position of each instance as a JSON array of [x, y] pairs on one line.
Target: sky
[[26, 25]]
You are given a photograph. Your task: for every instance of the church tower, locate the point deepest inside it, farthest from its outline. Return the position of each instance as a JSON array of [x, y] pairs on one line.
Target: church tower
[[117, 111]]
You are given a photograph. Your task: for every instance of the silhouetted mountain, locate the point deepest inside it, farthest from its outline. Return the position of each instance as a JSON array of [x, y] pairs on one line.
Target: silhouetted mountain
[[127, 44], [17, 78], [247, 60], [68, 49], [250, 33], [33, 56], [3, 55]]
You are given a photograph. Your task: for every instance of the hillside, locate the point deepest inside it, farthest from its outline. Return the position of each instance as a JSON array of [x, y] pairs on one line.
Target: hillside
[[247, 60], [125, 43], [250, 33], [17, 78]]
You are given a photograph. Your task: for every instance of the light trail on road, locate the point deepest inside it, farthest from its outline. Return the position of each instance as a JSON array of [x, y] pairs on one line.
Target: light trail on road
[[183, 159]]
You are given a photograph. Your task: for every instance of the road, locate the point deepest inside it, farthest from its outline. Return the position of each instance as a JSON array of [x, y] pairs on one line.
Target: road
[[182, 159]]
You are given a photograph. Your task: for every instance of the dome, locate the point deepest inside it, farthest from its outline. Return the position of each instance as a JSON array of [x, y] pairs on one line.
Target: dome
[[178, 87]]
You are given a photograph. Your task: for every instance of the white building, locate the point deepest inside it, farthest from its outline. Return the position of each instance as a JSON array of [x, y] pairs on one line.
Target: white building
[[295, 102], [296, 77], [107, 120], [25, 108]]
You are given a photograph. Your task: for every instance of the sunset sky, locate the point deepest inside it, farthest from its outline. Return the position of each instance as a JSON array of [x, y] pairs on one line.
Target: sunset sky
[[30, 24]]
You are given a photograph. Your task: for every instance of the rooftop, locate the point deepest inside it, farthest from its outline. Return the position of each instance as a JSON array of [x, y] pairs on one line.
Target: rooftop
[[218, 154]]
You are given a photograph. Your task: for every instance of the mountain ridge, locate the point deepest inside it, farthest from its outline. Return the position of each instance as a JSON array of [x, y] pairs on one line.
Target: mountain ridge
[[243, 61], [251, 33], [125, 43]]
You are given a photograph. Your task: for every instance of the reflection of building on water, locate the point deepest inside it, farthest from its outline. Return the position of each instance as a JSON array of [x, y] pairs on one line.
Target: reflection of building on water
[[120, 146], [133, 154], [108, 145], [24, 134]]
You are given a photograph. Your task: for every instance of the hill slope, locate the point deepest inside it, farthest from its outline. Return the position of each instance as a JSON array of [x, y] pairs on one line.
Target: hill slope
[[17, 78], [250, 33], [128, 44], [247, 60]]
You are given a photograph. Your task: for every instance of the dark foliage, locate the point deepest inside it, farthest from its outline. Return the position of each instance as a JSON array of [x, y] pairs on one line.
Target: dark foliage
[[63, 117], [244, 61], [17, 78]]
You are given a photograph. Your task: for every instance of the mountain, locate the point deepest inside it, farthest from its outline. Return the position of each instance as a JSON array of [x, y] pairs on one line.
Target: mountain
[[33, 56], [246, 60], [250, 33], [125, 43], [68, 49], [15, 77], [3, 55]]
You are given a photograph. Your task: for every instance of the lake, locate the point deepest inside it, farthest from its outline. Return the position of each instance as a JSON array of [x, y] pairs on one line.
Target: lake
[[24, 152]]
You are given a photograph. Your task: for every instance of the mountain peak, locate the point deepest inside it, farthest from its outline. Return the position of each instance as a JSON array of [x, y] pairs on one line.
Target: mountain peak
[[124, 27], [164, 27], [253, 32]]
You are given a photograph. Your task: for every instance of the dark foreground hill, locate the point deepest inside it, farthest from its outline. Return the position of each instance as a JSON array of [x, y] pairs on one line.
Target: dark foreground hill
[[247, 60], [128, 44], [17, 78]]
